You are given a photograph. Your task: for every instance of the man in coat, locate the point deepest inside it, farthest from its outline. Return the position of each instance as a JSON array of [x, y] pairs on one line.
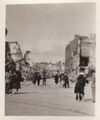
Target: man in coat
[[56, 78], [38, 78], [18, 79], [66, 81], [80, 84]]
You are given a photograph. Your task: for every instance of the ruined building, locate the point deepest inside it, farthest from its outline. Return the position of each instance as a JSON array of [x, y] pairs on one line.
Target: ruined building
[[13, 55], [80, 52], [15, 60], [15, 51]]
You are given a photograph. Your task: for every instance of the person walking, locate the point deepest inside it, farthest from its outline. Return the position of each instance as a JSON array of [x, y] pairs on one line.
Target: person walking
[[44, 77], [66, 81], [18, 80], [79, 86], [61, 80], [56, 78], [12, 81], [93, 84], [35, 77], [38, 78], [7, 85]]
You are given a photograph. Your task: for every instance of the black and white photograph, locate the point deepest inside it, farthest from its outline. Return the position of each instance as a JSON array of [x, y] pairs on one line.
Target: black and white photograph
[[50, 59]]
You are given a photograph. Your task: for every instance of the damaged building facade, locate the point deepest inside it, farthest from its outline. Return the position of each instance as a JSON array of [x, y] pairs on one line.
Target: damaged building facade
[[14, 59], [13, 54], [80, 53]]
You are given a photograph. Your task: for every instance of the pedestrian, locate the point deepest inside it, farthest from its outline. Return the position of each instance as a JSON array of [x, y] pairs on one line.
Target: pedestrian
[[7, 79], [35, 77], [56, 78], [66, 81], [44, 77], [18, 79], [38, 78], [61, 80], [60, 76], [12, 81], [79, 86], [93, 84]]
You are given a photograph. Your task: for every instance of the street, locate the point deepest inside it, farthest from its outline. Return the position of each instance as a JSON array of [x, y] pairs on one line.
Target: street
[[49, 100]]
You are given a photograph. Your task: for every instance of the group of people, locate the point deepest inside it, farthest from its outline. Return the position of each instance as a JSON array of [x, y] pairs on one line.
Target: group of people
[[37, 77], [82, 79], [62, 80], [13, 79]]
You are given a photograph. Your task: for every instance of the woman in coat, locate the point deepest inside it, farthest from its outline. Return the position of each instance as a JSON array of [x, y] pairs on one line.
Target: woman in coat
[[79, 87]]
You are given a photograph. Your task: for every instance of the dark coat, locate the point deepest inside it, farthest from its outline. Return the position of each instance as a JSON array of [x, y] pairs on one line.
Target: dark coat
[[38, 77], [12, 81], [80, 84], [33, 78], [66, 79], [56, 78], [44, 75], [18, 79]]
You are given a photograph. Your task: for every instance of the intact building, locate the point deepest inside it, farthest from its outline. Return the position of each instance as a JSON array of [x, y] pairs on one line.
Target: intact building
[[80, 52]]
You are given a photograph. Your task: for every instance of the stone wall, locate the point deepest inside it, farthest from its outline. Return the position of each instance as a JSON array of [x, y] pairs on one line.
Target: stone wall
[[72, 58], [80, 46]]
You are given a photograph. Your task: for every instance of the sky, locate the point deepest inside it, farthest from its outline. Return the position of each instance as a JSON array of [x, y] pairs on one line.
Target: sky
[[46, 29]]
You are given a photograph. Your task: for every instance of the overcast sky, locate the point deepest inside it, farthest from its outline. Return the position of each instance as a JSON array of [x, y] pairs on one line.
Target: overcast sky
[[45, 29]]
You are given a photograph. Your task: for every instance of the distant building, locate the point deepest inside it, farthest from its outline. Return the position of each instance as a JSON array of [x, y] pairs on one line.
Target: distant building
[[80, 52], [51, 68]]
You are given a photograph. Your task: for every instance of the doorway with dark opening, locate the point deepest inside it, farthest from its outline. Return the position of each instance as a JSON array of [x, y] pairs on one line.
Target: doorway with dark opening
[[84, 61]]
